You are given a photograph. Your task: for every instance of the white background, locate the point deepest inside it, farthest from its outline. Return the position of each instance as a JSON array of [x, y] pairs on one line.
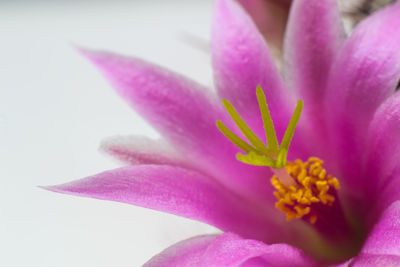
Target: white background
[[55, 108]]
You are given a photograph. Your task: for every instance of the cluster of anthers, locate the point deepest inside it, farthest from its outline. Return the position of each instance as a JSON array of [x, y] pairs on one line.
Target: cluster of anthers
[[300, 186]]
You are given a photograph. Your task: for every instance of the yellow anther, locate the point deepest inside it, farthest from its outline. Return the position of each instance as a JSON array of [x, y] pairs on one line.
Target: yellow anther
[[335, 183], [313, 185], [322, 185], [322, 174]]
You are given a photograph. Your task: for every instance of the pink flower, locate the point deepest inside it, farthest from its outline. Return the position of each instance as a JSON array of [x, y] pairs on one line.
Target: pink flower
[[351, 120]]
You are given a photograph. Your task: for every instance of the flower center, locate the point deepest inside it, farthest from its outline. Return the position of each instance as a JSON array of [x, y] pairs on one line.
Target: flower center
[[301, 187], [312, 186]]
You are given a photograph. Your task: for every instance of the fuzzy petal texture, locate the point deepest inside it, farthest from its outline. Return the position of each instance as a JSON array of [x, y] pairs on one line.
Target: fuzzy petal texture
[[241, 62], [365, 73], [184, 113], [384, 238], [313, 37], [228, 250], [386, 193], [185, 253], [181, 192], [372, 260], [136, 150], [382, 172], [382, 247]]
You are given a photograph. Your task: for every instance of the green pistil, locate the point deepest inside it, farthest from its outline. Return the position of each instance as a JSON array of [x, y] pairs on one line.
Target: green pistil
[[272, 141], [258, 153]]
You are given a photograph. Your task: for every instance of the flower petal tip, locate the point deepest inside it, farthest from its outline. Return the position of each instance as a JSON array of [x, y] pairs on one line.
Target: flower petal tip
[[225, 8], [52, 188], [70, 188], [98, 57], [92, 55], [81, 49]]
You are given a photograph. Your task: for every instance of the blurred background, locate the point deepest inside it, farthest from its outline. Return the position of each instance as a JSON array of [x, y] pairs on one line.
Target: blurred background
[[55, 108]]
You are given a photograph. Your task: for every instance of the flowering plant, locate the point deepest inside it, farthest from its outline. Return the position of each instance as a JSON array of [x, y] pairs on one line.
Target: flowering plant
[[343, 209]]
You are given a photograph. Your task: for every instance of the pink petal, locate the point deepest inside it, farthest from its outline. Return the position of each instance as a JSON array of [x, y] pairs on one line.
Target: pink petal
[[385, 193], [141, 150], [382, 171], [181, 192], [229, 250], [183, 254], [365, 74], [270, 18], [313, 37], [241, 61], [372, 260], [185, 114], [232, 250], [382, 247], [384, 238]]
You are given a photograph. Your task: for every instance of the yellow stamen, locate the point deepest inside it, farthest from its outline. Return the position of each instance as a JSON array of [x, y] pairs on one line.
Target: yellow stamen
[[313, 185], [299, 186]]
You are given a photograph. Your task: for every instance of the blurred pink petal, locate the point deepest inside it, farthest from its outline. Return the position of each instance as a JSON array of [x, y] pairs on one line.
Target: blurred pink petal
[[178, 191], [229, 250], [382, 248], [384, 238], [365, 73], [136, 150], [313, 38], [185, 253], [373, 260], [270, 16], [382, 156], [241, 61]]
